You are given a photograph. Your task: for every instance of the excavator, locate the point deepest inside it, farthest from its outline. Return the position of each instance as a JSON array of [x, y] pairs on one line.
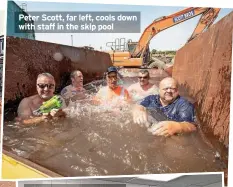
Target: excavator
[[137, 54]]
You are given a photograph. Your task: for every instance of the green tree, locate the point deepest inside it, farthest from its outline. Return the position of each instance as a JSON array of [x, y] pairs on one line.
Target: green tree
[[153, 51]]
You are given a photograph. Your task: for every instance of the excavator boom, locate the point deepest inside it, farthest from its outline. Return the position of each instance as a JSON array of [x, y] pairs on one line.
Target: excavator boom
[[205, 21], [165, 22]]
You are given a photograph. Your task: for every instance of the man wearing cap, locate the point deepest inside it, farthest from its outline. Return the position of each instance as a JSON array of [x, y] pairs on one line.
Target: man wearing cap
[[143, 87], [179, 111], [45, 84], [112, 93]]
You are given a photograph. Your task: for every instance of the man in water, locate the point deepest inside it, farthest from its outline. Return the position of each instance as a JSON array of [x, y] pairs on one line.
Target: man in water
[[178, 110], [143, 87], [112, 94], [45, 85], [75, 90]]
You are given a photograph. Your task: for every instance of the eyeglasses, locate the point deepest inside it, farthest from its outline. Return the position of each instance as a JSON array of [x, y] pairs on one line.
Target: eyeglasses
[[172, 89], [49, 86], [145, 77]]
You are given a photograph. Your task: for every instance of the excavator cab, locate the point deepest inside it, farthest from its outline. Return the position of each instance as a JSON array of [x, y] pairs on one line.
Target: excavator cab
[[131, 46], [121, 53], [146, 56]]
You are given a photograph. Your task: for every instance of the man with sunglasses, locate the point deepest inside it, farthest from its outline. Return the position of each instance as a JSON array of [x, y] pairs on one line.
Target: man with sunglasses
[[45, 85], [143, 87], [180, 112], [112, 94]]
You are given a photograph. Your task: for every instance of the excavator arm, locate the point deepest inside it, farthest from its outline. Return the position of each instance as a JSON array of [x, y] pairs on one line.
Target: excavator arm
[[205, 21], [165, 22]]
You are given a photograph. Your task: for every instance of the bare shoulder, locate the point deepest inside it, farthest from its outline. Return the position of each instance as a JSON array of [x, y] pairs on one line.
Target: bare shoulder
[[65, 90], [25, 106], [27, 100], [153, 86]]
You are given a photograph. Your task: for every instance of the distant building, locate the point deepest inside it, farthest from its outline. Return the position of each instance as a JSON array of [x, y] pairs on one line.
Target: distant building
[[13, 8]]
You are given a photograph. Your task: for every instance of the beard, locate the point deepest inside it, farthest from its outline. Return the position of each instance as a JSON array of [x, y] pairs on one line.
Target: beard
[[45, 96]]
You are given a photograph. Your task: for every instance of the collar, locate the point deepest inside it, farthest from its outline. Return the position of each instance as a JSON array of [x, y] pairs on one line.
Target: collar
[[158, 101]]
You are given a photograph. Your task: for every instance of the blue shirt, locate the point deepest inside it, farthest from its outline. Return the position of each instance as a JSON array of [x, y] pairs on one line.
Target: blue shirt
[[180, 110]]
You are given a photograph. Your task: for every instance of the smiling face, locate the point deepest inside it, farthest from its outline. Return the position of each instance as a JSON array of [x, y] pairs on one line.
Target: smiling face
[[112, 80], [77, 79], [45, 87], [168, 90], [143, 78]]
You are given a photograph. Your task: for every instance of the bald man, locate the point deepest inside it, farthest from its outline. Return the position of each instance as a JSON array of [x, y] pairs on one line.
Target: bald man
[[178, 110]]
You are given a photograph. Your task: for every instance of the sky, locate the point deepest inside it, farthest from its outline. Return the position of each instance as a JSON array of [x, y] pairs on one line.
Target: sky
[[2, 5], [170, 39], [2, 17], [2, 22]]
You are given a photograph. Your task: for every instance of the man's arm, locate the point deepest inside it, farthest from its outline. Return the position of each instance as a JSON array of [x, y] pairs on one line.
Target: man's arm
[[139, 114], [24, 110], [64, 92], [169, 128], [25, 114], [187, 127], [185, 123], [139, 111], [96, 99], [127, 96], [187, 117]]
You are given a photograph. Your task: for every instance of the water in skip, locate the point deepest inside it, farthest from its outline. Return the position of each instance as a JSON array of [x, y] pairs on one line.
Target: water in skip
[[103, 140]]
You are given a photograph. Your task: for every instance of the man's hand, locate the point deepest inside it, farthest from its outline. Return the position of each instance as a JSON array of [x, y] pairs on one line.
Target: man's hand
[[165, 128], [169, 128], [35, 120], [46, 116], [140, 115], [57, 113]]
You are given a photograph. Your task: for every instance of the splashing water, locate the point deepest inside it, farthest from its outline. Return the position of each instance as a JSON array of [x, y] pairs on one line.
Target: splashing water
[[103, 140]]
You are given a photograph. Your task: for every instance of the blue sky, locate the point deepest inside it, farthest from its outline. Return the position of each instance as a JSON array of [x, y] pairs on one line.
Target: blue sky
[[170, 39]]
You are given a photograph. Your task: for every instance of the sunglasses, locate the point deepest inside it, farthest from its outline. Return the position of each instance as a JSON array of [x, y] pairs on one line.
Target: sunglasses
[[49, 86], [145, 77]]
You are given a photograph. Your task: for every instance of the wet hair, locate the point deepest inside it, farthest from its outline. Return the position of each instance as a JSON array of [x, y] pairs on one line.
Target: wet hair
[[73, 73], [45, 75], [144, 71]]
